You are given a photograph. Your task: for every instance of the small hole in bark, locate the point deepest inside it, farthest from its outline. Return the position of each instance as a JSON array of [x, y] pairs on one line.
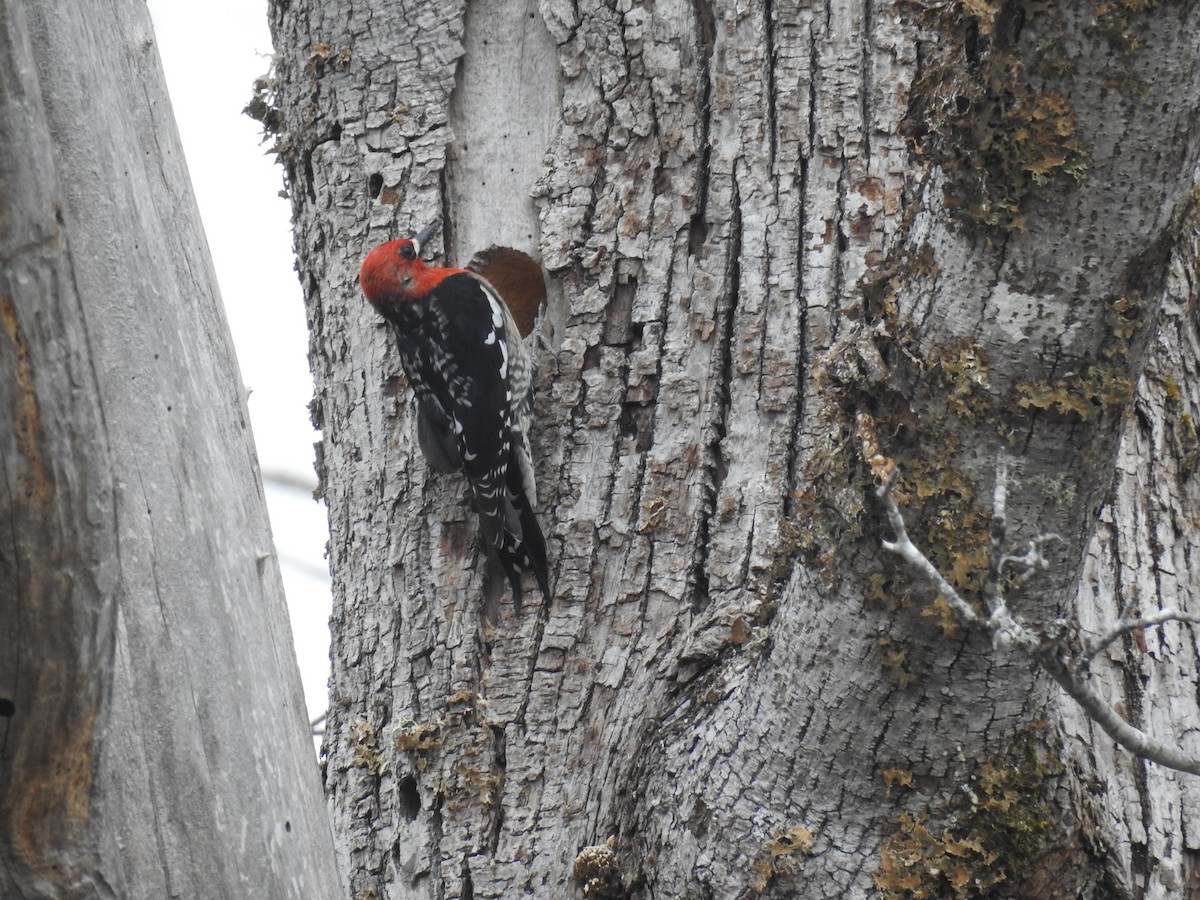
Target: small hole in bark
[[637, 424], [971, 43], [408, 798], [1018, 22], [7, 707], [310, 177], [287, 826], [374, 185]]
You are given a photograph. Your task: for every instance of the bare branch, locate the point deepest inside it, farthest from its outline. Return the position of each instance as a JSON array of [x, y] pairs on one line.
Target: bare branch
[[1097, 708], [1008, 633], [905, 548], [1000, 491], [1128, 624], [997, 534], [281, 478]]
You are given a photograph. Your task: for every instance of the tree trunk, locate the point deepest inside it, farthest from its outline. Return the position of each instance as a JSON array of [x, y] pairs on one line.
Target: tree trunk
[[773, 233], [153, 740]]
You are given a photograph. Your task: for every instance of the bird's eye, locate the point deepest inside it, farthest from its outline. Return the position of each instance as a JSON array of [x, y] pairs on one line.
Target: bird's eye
[[407, 251]]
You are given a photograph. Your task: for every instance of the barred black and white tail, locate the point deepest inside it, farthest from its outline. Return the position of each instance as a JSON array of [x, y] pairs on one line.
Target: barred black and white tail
[[510, 528]]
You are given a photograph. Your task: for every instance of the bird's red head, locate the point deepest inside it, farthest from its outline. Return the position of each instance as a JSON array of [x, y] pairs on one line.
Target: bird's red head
[[394, 272]]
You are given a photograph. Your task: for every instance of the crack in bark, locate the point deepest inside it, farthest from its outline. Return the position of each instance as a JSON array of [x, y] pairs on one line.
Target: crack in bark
[[715, 466], [796, 429], [868, 80], [772, 122]]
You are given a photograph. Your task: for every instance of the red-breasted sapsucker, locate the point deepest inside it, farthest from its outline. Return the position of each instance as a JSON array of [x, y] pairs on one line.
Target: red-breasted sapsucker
[[473, 380]]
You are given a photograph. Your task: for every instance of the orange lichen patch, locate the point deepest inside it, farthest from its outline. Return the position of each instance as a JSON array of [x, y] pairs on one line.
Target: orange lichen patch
[[53, 801], [26, 419], [519, 280]]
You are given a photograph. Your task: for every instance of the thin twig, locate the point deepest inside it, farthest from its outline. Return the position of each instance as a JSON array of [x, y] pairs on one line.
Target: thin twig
[[998, 532], [905, 548], [1125, 626], [1033, 560]]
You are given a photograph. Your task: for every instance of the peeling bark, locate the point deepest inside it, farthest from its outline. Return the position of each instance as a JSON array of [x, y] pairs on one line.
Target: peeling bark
[[753, 225]]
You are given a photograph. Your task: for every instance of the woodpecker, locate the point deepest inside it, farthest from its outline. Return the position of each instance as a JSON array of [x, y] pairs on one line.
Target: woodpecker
[[473, 380]]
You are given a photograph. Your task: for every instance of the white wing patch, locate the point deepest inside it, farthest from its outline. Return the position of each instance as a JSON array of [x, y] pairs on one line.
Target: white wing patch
[[498, 316], [497, 309]]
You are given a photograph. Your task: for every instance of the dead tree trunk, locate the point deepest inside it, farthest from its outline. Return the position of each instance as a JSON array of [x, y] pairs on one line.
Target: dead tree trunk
[[152, 731], [770, 230]]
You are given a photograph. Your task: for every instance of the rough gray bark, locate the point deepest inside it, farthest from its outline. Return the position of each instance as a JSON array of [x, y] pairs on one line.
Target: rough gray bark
[[157, 743], [759, 221]]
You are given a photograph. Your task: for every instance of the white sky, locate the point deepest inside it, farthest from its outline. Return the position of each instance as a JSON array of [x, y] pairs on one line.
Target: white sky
[[212, 52]]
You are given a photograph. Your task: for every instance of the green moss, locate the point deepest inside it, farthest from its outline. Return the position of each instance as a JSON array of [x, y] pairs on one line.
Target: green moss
[[597, 871], [367, 754], [942, 508], [324, 57], [961, 373], [1084, 395], [1119, 23], [994, 126], [780, 857], [993, 827], [419, 740], [1171, 391], [894, 659], [1105, 382]]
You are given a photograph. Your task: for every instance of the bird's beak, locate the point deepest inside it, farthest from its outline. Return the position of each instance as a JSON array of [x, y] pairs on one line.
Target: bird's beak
[[425, 234]]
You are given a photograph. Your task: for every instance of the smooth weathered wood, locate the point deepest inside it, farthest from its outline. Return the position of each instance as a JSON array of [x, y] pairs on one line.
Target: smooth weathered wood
[[58, 572], [158, 745], [751, 231]]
